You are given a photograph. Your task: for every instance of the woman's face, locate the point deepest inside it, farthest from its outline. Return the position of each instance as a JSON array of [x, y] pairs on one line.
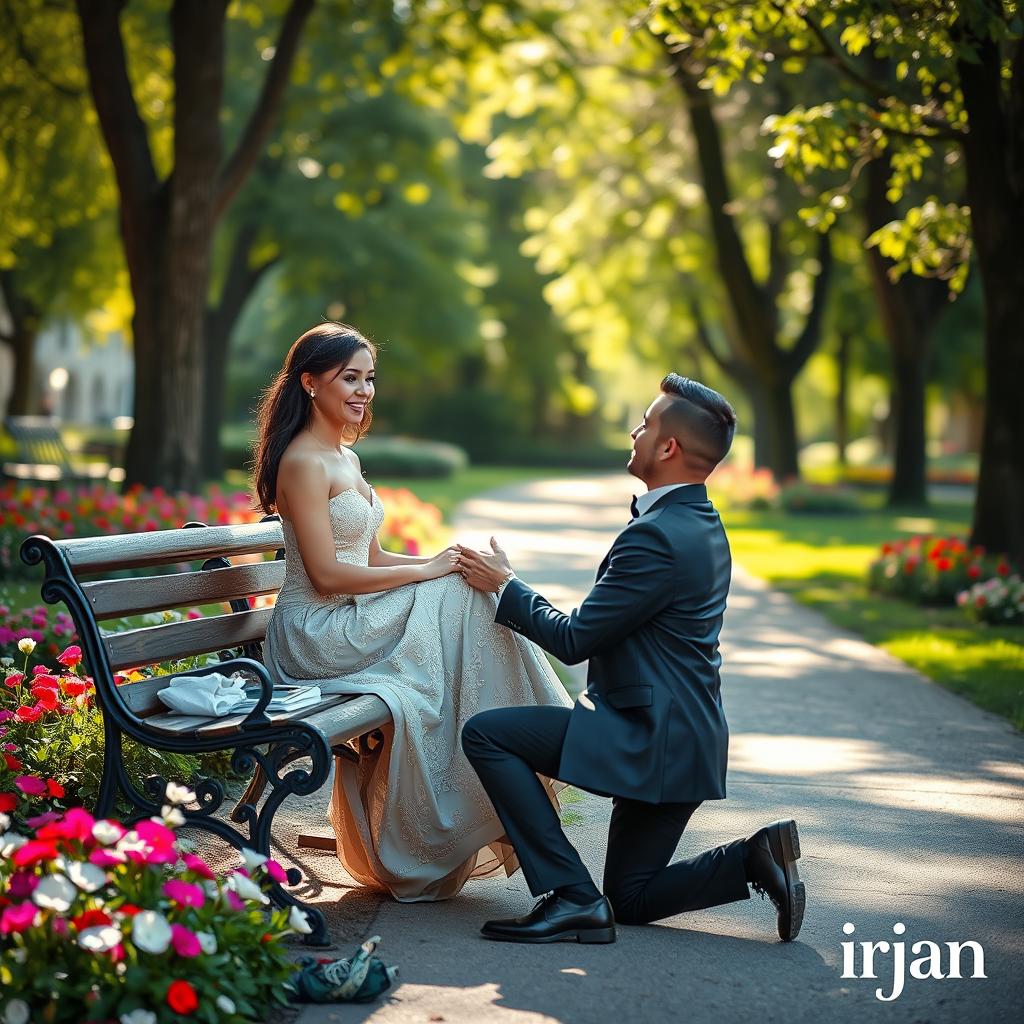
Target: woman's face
[[345, 394]]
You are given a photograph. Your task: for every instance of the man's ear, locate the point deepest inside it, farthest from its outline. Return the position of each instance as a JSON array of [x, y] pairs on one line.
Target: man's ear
[[671, 447]]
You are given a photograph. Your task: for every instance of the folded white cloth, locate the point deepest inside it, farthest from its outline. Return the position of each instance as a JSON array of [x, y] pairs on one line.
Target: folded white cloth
[[211, 696]]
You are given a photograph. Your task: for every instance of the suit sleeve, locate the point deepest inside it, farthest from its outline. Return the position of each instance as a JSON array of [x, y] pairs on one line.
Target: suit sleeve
[[637, 584]]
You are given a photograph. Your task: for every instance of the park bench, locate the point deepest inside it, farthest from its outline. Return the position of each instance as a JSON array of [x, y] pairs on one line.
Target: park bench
[[98, 579], [41, 455]]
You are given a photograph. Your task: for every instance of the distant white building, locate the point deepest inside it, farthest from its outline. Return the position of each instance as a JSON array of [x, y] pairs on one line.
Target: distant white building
[[78, 380]]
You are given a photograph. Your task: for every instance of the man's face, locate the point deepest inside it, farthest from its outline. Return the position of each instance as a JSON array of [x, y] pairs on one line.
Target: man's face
[[645, 440]]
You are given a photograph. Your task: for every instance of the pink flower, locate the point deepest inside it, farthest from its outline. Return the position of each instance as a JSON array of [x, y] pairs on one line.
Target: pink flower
[[198, 865], [70, 657], [14, 679], [30, 785], [106, 858], [235, 901], [185, 894], [22, 884], [76, 824], [17, 918], [276, 872], [185, 942]]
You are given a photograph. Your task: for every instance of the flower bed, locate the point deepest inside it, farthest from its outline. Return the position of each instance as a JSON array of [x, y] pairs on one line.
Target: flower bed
[[123, 925], [737, 487], [933, 570], [51, 735], [410, 525], [998, 601]]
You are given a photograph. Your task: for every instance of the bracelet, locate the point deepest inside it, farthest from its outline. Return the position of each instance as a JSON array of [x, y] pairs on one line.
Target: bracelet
[[501, 585]]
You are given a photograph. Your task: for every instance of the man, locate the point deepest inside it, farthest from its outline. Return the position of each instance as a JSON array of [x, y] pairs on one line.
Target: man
[[649, 731]]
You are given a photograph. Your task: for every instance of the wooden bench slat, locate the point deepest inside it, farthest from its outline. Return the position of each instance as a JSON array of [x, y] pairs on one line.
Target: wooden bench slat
[[112, 598], [160, 547], [173, 640], [339, 716]]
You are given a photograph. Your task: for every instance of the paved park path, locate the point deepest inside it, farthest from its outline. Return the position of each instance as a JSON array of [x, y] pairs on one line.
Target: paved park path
[[910, 803]]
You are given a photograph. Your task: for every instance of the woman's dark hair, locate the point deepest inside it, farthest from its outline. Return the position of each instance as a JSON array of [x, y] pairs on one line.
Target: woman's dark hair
[[285, 407]]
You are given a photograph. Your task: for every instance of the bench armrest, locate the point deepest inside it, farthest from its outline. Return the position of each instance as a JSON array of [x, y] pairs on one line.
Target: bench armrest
[[258, 715]]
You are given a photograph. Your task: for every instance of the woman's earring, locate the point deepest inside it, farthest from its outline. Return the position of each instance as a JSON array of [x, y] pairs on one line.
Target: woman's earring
[[312, 393]]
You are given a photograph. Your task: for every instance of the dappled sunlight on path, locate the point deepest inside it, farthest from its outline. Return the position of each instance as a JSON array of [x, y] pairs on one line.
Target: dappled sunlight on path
[[910, 803]]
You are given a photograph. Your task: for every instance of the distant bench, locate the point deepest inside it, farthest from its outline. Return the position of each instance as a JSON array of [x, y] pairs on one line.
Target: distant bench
[[41, 455], [262, 743]]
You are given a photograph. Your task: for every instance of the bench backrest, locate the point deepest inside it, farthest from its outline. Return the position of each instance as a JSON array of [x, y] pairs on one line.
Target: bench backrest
[[78, 572]]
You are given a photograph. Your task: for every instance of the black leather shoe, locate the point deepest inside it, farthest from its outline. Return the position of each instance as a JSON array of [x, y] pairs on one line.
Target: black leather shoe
[[770, 860], [556, 919]]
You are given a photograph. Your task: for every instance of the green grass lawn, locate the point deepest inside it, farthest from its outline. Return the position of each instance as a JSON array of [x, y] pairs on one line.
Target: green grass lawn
[[822, 562]]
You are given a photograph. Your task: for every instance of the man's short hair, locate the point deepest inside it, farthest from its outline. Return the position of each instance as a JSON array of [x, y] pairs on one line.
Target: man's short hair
[[700, 419]]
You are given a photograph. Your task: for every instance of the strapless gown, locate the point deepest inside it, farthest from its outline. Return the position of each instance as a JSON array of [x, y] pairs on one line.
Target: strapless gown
[[411, 818]]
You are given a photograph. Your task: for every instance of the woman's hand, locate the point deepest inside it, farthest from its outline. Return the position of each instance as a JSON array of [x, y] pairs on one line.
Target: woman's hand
[[440, 565]]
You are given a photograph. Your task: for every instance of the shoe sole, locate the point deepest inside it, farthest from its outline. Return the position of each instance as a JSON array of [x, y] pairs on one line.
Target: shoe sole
[[784, 841], [583, 936]]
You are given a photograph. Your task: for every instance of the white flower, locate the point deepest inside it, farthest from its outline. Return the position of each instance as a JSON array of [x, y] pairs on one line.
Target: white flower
[[5, 823], [246, 888], [19, 954], [9, 842], [225, 1005], [172, 816], [208, 944], [16, 1012], [100, 938], [131, 843], [176, 794], [26, 645], [54, 892], [298, 921], [138, 1016], [106, 832], [253, 860], [150, 931], [88, 877], [6, 663]]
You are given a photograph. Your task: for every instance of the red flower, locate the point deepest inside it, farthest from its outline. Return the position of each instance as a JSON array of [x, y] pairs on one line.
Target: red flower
[[74, 687], [33, 852], [14, 679], [90, 919], [1003, 569], [943, 564], [70, 657], [181, 997], [27, 714], [8, 801], [973, 571], [12, 762], [54, 788], [980, 602]]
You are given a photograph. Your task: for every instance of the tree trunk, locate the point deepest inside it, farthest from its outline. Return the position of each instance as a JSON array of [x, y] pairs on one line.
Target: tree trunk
[[775, 438], [907, 430], [842, 396], [240, 281], [909, 310], [25, 323], [167, 227], [995, 187]]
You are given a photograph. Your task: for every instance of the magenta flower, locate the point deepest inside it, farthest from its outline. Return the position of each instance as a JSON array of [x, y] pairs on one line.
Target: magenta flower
[[198, 865], [185, 942], [276, 872], [235, 901], [30, 785], [17, 918], [185, 894]]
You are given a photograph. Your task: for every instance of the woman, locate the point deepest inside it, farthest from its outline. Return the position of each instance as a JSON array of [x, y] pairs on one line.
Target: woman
[[412, 818]]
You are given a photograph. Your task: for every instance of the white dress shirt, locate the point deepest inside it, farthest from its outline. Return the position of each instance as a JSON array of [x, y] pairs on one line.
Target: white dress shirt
[[645, 501]]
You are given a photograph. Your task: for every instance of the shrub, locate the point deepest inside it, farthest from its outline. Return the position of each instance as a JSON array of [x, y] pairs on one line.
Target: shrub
[[818, 499], [932, 570], [998, 601], [740, 487], [121, 924]]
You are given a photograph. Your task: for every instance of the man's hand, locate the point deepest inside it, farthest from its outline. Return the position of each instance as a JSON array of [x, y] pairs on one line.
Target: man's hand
[[481, 570]]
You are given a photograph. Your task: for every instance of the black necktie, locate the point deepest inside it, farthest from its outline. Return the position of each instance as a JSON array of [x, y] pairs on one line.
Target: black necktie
[[632, 508]]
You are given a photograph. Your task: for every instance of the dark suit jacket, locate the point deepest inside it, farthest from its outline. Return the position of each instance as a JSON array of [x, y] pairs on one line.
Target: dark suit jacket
[[650, 725]]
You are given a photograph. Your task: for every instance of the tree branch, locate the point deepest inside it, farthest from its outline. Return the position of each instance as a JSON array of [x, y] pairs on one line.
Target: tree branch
[[122, 125], [810, 336], [730, 367], [254, 137]]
